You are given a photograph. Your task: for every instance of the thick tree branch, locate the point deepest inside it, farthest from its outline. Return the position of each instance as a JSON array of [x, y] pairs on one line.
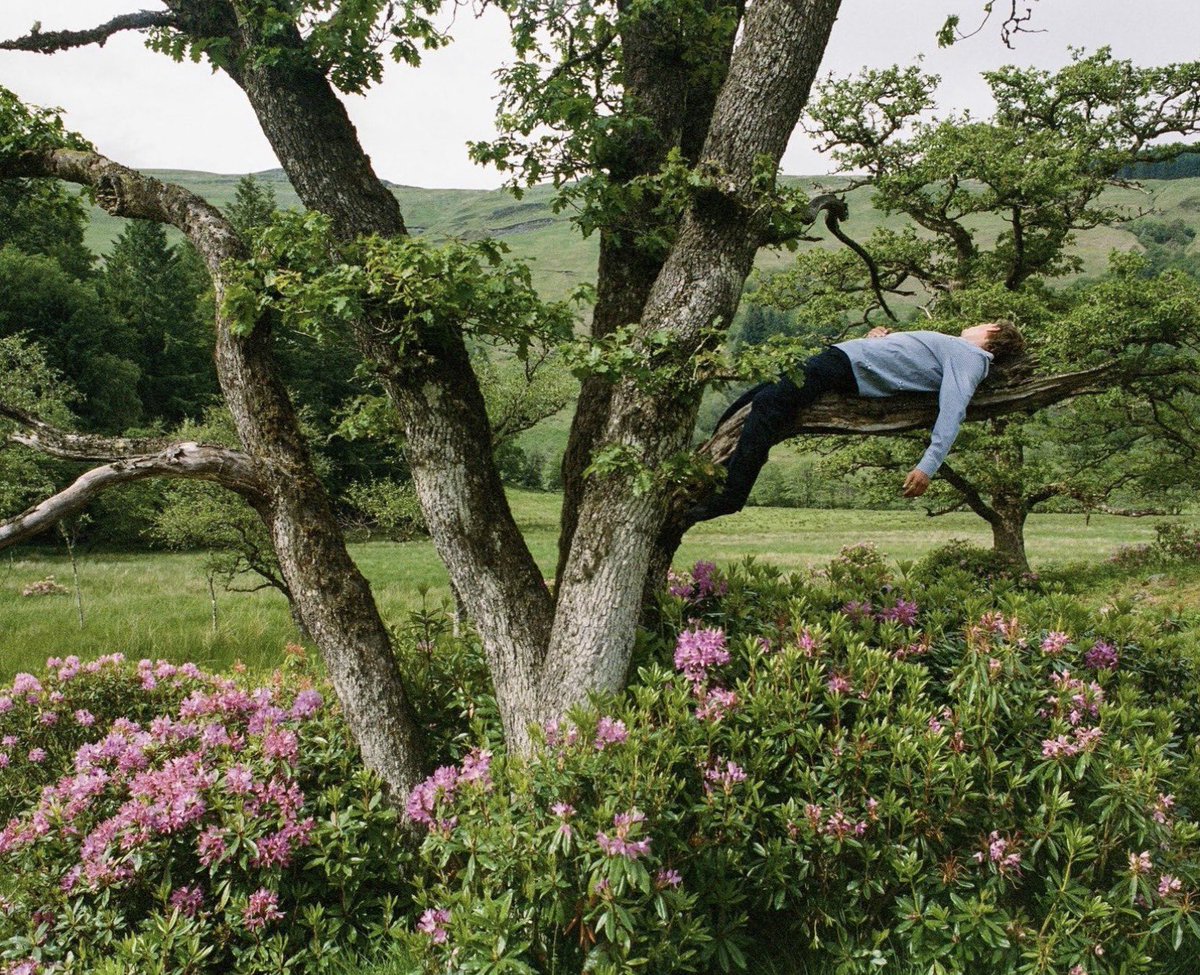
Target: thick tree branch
[[899, 414], [124, 192], [48, 42], [40, 435], [229, 468]]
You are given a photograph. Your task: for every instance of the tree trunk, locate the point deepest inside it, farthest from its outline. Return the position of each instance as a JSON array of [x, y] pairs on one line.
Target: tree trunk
[[335, 601], [1008, 530], [700, 284]]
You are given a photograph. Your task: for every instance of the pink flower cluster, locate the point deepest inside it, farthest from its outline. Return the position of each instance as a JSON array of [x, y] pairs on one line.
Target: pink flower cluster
[[556, 737], [1078, 703], [1102, 656], [441, 787], [1054, 643], [1002, 853], [699, 649], [714, 703], [723, 777], [261, 909], [838, 825], [133, 786], [609, 732], [701, 583], [1083, 740], [619, 844], [903, 611], [433, 925], [1161, 812], [1073, 699]]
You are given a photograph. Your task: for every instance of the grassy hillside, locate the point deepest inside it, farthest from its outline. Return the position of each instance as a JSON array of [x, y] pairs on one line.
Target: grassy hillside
[[562, 259]]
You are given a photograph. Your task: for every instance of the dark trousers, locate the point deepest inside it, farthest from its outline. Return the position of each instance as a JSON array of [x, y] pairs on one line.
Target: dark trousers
[[772, 416]]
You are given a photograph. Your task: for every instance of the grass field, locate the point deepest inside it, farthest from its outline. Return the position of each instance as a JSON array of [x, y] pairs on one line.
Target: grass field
[[158, 605]]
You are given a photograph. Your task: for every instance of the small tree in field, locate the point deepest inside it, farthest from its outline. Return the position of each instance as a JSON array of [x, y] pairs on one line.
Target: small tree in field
[[991, 210]]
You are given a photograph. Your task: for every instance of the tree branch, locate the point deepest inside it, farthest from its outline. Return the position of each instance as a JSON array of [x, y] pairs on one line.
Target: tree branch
[[40, 435], [124, 192], [899, 414], [230, 468], [48, 42]]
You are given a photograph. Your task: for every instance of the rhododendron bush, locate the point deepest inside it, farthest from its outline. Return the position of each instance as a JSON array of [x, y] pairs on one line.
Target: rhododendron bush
[[160, 812], [846, 772]]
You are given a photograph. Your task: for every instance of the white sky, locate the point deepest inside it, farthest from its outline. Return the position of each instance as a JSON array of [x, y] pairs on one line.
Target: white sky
[[143, 110]]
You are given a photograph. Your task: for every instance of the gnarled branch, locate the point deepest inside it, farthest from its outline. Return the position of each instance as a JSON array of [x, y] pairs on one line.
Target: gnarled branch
[[124, 192], [899, 414], [48, 42], [127, 460], [40, 435], [229, 468]]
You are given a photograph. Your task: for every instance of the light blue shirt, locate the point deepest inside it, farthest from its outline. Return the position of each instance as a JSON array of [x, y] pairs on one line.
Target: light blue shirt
[[922, 362]]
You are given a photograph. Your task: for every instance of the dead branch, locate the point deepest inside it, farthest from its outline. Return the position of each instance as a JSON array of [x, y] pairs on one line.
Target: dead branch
[[229, 468], [39, 435]]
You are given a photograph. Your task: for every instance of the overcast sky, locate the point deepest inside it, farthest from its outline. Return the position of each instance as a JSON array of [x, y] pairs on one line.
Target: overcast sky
[[143, 110]]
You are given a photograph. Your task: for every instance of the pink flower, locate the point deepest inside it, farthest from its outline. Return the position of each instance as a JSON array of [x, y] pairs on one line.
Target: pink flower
[[1102, 656], [433, 924], [1162, 808], [261, 909], [476, 767], [37, 755], [307, 704], [620, 844], [6, 704], [48, 718], [704, 575], [858, 611], [838, 684], [1168, 885], [699, 649], [210, 846], [187, 900], [1139, 863], [667, 878], [609, 732], [563, 810], [904, 613], [715, 703], [1054, 643], [85, 718], [809, 644], [281, 744], [4, 760], [725, 777], [425, 797], [1001, 853]]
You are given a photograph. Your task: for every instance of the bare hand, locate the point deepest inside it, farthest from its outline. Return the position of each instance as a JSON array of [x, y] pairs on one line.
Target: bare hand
[[916, 483], [878, 332]]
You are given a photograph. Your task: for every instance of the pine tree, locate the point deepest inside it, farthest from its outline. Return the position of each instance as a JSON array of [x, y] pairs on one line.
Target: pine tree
[[151, 288]]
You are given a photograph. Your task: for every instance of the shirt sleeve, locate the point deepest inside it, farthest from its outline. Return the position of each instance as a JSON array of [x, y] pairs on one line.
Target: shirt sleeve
[[959, 382]]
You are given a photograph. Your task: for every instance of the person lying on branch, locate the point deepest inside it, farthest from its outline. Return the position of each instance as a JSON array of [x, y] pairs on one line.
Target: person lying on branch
[[885, 363]]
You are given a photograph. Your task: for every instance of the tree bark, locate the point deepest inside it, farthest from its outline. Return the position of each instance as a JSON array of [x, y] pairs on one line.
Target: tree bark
[[678, 111], [701, 281], [1008, 530], [335, 600]]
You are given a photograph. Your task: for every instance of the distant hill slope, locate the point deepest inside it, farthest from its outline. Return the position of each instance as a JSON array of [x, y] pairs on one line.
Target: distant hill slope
[[561, 259]]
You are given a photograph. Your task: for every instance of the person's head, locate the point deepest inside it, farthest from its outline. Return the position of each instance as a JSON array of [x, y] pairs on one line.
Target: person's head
[[1002, 339]]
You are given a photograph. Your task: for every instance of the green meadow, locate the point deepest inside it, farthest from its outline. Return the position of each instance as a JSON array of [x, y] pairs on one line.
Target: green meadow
[[158, 604]]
